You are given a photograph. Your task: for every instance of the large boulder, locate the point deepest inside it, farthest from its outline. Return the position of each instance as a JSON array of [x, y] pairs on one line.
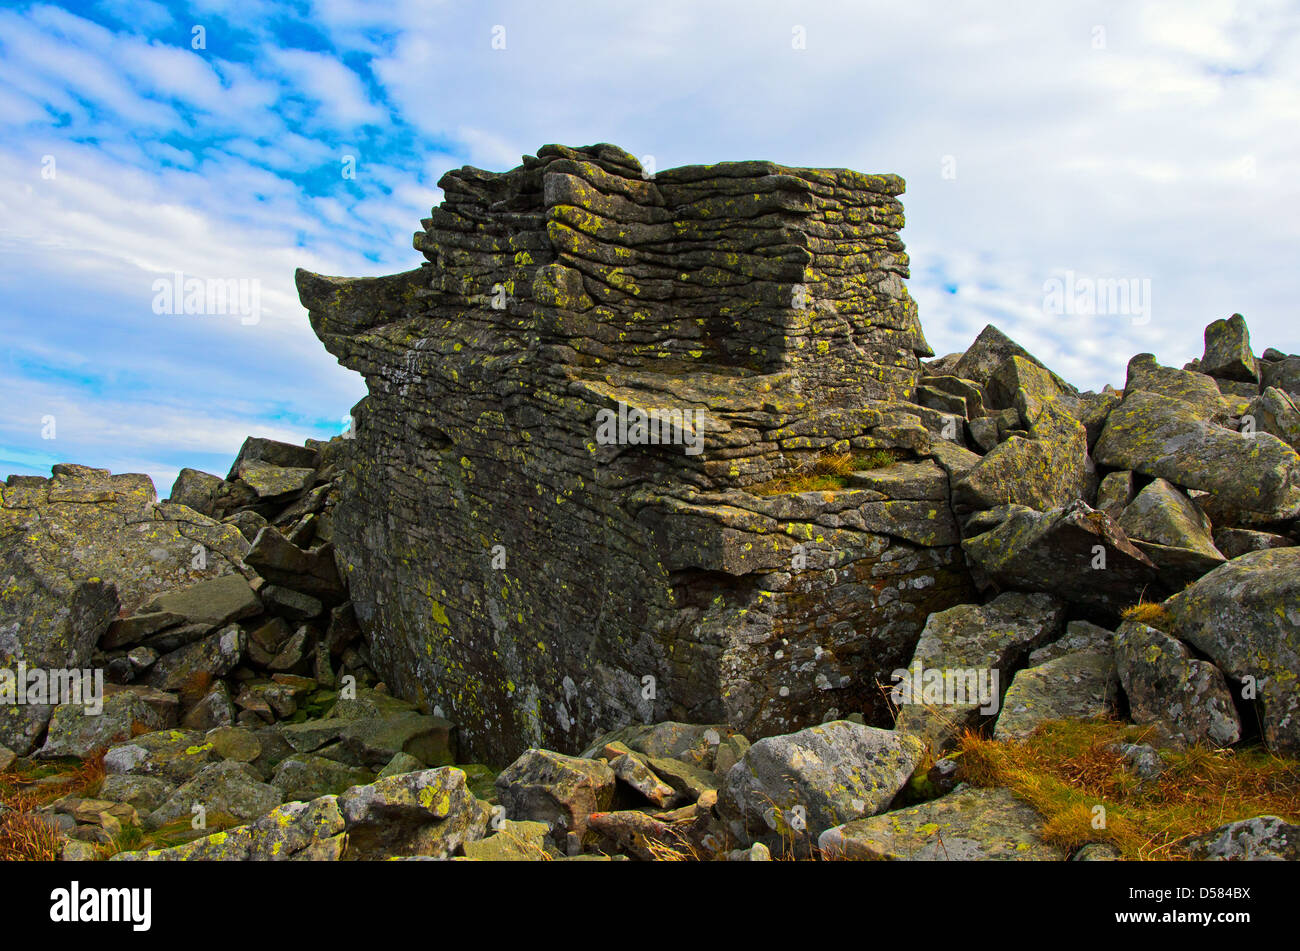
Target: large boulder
[[173, 755], [964, 659], [1077, 686], [792, 788], [221, 788], [213, 603], [429, 813], [281, 562], [1197, 390], [1245, 617], [1076, 553], [1173, 532], [1275, 411], [476, 481], [967, 824], [1227, 351], [77, 730], [1187, 698], [295, 831], [1160, 436], [562, 791], [209, 494]]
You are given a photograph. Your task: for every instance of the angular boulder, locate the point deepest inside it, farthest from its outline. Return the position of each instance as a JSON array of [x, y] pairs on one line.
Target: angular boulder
[[964, 659], [1159, 436], [561, 791], [1075, 686], [1245, 617], [1076, 553], [1166, 685], [1227, 351], [792, 788], [429, 813], [968, 824]]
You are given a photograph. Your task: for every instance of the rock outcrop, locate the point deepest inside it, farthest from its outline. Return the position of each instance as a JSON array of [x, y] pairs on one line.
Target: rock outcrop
[[539, 581]]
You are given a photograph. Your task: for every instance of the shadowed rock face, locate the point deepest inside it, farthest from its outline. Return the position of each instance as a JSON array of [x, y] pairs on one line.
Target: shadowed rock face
[[764, 304]]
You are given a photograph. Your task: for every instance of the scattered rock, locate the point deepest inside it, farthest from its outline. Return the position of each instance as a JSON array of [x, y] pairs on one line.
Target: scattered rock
[[1245, 617], [561, 791], [1166, 685], [967, 824], [794, 787], [986, 641], [427, 813], [1262, 839]]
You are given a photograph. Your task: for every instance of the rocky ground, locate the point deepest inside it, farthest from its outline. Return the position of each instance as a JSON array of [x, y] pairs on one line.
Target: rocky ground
[[1137, 553]]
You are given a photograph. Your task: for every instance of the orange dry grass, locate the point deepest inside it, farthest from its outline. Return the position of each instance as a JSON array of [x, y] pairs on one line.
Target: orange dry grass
[[1068, 768]]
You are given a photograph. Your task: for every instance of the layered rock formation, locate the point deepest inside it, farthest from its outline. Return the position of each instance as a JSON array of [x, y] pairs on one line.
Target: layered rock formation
[[539, 584]]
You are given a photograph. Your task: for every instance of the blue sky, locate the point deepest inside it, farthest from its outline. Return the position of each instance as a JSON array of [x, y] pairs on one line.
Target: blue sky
[[1156, 143]]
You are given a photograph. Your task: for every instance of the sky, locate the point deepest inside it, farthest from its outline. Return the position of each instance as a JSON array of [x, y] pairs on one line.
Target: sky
[[1050, 150]]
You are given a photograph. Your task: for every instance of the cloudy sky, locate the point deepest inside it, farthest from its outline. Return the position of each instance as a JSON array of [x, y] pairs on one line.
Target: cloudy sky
[[1154, 144]]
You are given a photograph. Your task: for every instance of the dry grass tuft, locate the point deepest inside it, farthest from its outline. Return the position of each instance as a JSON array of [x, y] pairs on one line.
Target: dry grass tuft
[[829, 473], [1067, 768]]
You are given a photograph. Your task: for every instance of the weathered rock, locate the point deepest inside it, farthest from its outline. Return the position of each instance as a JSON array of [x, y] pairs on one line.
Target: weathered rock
[[1262, 839], [561, 791], [78, 730], [216, 709], [690, 781], [373, 742], [275, 483], [209, 494], [967, 652], [1168, 528], [967, 824], [1046, 471], [401, 763], [215, 602], [214, 656], [1235, 542], [1158, 436], [1203, 399], [1079, 637], [283, 563], [616, 273], [294, 831], [1283, 374], [1115, 492], [226, 787], [1165, 685], [290, 604], [304, 776], [173, 755], [1227, 350], [991, 349], [271, 452], [125, 631], [1078, 686], [511, 842], [1245, 617], [368, 704], [1275, 411], [797, 786], [7, 757], [428, 813], [235, 743], [1076, 553], [631, 770]]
